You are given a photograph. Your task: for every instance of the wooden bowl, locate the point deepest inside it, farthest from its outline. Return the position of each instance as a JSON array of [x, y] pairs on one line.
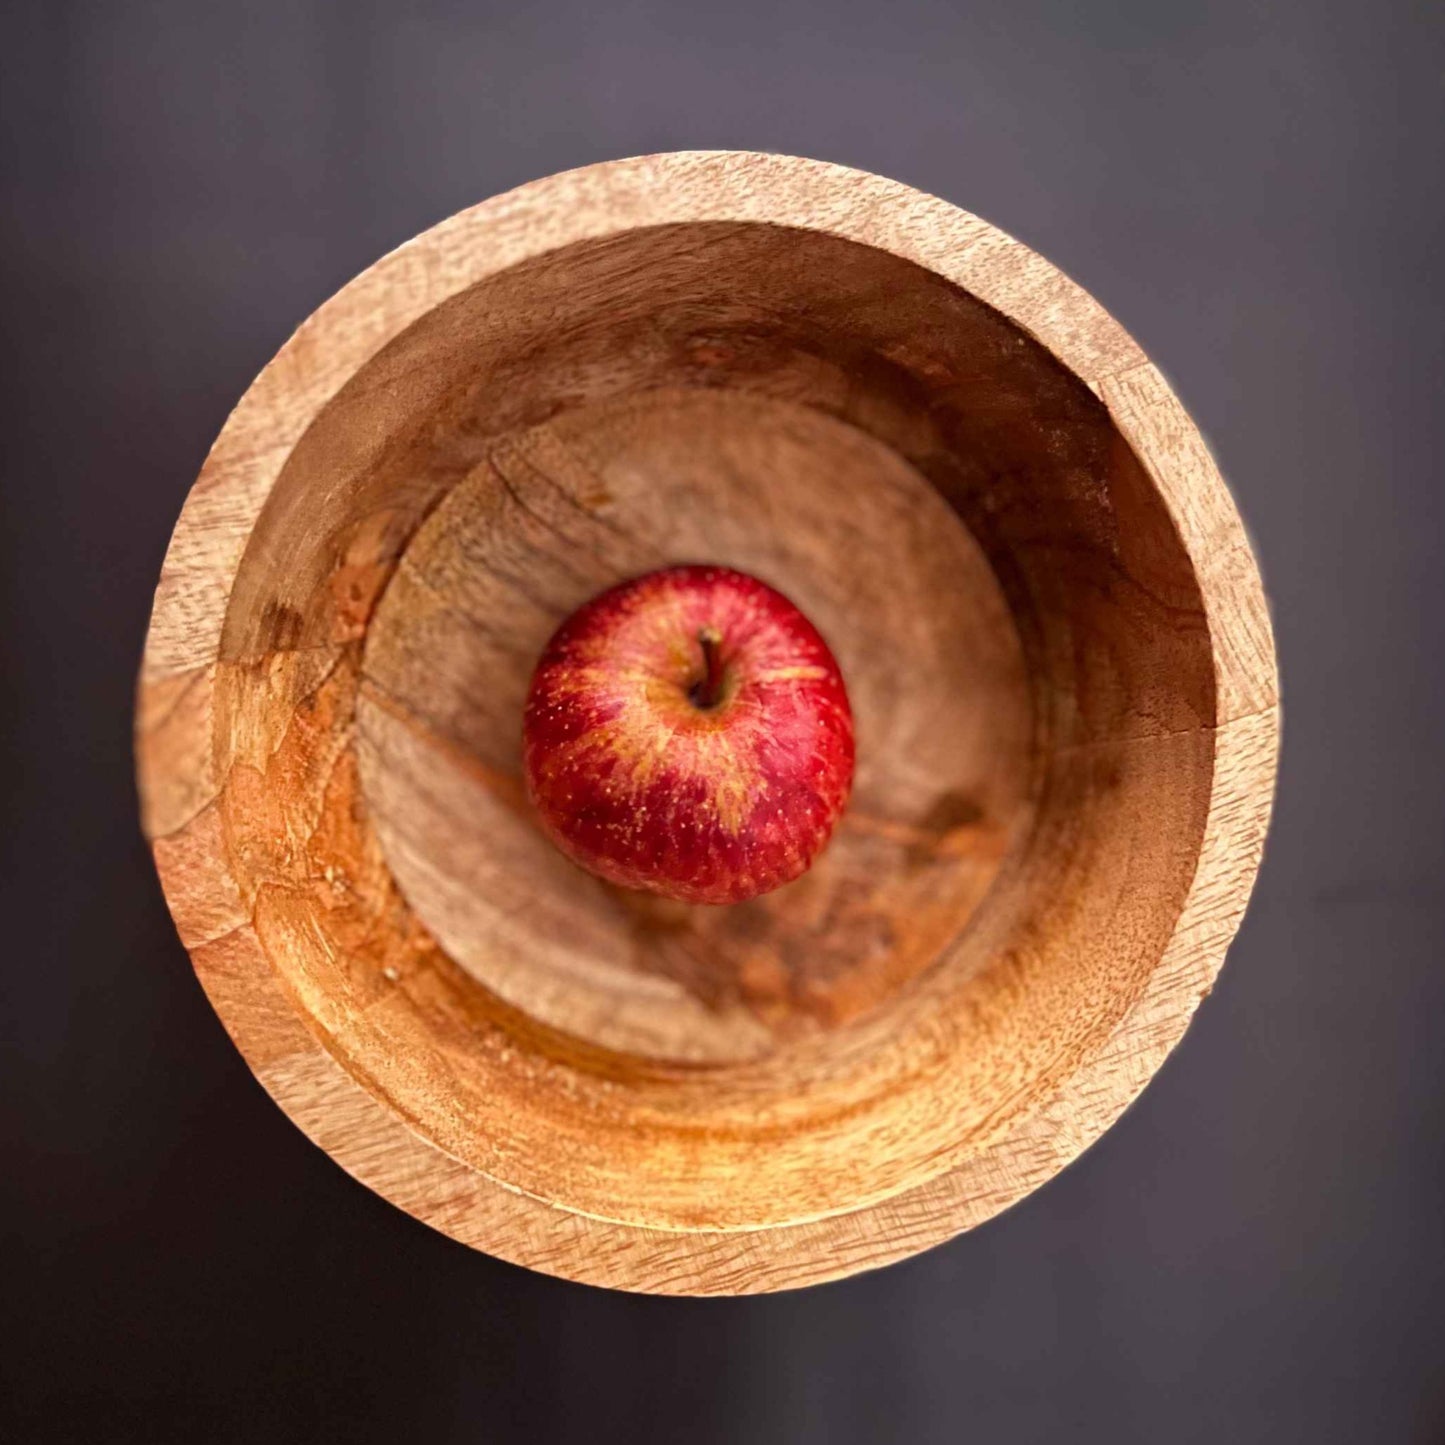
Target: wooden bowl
[[1053, 632]]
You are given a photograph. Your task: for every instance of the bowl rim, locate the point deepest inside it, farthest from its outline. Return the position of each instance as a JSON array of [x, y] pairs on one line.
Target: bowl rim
[[179, 792]]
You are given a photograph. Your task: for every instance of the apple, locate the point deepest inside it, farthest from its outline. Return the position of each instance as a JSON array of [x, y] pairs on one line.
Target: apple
[[688, 733]]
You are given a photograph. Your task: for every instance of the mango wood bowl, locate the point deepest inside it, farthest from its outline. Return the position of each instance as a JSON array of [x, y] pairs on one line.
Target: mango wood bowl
[[1044, 604]]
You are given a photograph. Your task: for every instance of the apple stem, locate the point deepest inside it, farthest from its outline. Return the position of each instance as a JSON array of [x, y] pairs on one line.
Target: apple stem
[[707, 691]]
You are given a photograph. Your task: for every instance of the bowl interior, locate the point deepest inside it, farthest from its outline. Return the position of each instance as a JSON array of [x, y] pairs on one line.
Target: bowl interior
[[1025, 647]]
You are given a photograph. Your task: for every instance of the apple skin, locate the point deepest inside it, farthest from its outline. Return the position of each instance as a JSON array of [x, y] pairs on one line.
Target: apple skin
[[638, 779]]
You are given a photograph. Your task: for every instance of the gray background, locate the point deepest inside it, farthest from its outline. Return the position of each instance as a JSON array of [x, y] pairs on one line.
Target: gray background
[[1257, 1251]]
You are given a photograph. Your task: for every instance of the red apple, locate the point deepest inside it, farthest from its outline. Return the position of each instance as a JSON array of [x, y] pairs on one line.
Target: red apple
[[688, 733]]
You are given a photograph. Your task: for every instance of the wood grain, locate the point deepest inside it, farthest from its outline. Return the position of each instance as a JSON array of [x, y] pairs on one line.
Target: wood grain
[[1016, 543], [940, 695]]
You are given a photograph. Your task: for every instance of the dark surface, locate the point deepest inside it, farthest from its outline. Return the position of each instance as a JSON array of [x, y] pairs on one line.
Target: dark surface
[[1257, 1252]]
